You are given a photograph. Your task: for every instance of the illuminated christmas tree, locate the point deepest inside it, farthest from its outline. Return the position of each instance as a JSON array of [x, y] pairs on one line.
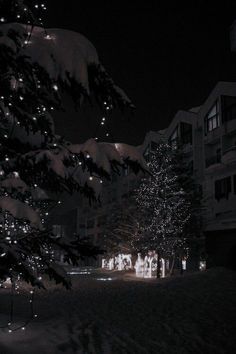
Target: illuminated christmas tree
[[166, 206], [36, 66]]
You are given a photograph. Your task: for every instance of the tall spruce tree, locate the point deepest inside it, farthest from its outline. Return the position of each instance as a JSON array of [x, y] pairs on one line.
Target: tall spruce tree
[[36, 66], [166, 207]]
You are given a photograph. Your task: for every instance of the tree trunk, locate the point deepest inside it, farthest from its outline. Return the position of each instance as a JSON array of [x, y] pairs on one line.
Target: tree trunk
[[158, 265], [172, 265], [181, 267]]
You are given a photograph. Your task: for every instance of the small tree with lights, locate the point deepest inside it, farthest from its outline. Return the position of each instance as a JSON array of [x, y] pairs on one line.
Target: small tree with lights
[[123, 227]]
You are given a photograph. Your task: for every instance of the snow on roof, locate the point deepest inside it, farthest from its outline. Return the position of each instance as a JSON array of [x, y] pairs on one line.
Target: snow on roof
[[195, 109]]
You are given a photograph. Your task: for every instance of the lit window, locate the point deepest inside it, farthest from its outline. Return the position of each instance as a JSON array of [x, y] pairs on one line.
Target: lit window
[[212, 118]]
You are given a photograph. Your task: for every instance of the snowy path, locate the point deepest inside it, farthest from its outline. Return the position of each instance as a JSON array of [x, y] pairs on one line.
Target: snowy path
[[192, 314]]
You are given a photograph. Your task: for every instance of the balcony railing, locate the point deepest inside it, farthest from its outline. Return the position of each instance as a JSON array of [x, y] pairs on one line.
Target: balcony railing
[[229, 155], [213, 160], [231, 148]]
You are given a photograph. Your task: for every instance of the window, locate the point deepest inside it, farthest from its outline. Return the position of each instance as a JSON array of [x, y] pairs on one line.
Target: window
[[173, 140], [228, 108], [186, 133], [58, 230], [190, 167], [218, 155], [90, 237], [125, 171], [101, 220], [90, 223], [146, 154], [153, 146], [222, 188], [212, 118]]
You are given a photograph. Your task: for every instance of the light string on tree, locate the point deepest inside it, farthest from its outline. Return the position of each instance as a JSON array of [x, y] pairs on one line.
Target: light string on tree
[[103, 123], [12, 325]]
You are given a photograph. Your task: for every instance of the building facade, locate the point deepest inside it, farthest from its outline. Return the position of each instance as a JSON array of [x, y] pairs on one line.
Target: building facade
[[208, 136]]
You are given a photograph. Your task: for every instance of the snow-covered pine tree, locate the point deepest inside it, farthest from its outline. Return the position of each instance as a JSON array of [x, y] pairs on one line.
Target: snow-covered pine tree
[[36, 66], [165, 206]]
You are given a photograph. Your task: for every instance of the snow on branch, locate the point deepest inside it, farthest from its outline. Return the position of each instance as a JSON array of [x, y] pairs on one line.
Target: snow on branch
[[68, 57], [21, 211]]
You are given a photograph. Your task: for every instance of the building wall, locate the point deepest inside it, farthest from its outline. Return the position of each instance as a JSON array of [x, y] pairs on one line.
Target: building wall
[[214, 161], [212, 154]]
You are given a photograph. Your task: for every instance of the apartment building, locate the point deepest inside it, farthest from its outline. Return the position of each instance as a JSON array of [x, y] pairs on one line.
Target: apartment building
[[208, 133], [208, 136]]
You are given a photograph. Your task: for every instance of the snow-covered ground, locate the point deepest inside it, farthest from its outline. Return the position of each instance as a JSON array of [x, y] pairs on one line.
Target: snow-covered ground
[[195, 313]]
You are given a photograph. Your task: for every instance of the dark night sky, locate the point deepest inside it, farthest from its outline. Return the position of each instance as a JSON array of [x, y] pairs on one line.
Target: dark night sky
[[166, 55]]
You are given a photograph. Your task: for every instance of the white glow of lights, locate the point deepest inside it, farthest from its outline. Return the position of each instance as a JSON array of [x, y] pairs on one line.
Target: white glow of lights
[[78, 273]]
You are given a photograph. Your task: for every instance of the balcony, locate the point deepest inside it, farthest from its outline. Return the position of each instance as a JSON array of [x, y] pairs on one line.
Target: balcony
[[229, 155], [213, 163]]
